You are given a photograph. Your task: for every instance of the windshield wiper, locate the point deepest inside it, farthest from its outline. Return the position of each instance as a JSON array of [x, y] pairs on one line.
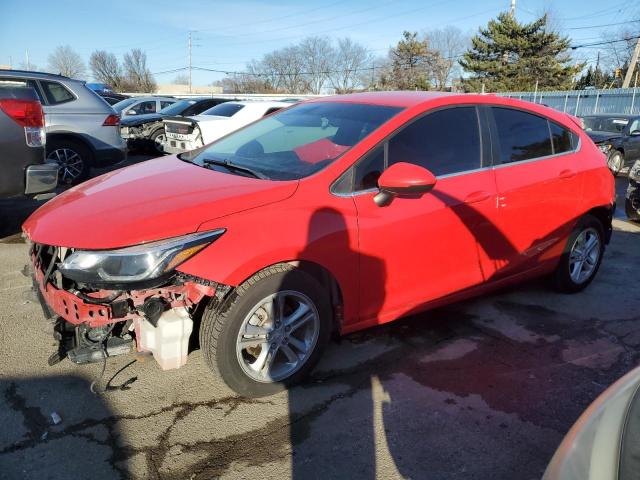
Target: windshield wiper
[[232, 166]]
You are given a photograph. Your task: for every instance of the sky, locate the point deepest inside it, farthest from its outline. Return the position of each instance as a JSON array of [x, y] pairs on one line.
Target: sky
[[227, 34]]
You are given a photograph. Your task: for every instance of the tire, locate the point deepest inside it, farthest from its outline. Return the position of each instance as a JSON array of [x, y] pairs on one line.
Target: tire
[[633, 214], [615, 162], [75, 160], [567, 278], [246, 310], [155, 141]]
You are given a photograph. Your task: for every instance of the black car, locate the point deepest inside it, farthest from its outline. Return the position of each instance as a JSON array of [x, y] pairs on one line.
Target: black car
[[632, 198], [147, 131], [617, 136]]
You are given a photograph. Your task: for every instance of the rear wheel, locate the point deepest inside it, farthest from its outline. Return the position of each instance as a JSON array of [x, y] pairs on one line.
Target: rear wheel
[[73, 158], [582, 256], [615, 162], [269, 333]]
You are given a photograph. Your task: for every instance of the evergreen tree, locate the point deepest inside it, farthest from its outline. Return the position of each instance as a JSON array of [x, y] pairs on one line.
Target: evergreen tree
[[512, 56], [411, 64]]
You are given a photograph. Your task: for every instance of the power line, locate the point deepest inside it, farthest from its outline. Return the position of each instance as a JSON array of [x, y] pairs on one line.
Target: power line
[[608, 42], [603, 25]]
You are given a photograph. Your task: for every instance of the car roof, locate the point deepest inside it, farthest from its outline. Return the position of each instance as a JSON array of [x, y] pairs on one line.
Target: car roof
[[394, 99], [42, 75], [265, 103]]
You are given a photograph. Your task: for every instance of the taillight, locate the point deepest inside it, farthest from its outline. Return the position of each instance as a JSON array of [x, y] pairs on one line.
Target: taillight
[[26, 113], [112, 120]]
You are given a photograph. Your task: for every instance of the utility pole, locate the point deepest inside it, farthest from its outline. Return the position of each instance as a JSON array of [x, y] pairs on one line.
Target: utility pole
[[189, 61], [595, 75], [26, 59], [632, 65], [513, 8]]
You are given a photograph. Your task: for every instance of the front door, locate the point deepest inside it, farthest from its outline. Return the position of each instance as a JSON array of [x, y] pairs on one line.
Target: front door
[[427, 247]]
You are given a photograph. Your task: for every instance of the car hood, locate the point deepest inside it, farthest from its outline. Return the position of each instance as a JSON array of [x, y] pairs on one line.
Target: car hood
[[599, 136], [133, 120], [149, 201]]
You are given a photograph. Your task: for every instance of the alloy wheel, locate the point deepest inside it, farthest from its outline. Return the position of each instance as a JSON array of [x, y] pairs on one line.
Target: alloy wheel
[[585, 254], [278, 336], [158, 143], [615, 162], [70, 164]]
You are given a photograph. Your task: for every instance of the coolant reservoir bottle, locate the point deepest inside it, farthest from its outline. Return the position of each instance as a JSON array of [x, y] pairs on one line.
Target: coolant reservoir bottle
[[169, 340]]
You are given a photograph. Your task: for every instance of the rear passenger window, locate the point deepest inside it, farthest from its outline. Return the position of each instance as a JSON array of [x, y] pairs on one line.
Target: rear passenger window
[[522, 136], [165, 104], [56, 93], [445, 142], [561, 138]]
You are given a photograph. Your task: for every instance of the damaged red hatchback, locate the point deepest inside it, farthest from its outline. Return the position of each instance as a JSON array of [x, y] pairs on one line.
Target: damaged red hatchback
[[334, 215]]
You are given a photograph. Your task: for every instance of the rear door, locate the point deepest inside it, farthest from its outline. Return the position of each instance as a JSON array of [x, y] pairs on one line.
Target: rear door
[[538, 187], [427, 247]]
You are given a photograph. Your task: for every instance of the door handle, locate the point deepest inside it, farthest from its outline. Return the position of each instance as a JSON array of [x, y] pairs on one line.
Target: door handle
[[567, 174], [476, 197]]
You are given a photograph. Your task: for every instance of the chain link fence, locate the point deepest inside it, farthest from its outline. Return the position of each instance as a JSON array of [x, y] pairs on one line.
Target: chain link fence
[[586, 102]]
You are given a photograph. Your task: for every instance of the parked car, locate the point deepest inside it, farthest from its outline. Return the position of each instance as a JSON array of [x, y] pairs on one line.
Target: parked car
[[22, 140], [604, 442], [632, 197], [107, 93], [147, 130], [185, 134], [336, 214], [82, 130], [142, 105], [617, 136]]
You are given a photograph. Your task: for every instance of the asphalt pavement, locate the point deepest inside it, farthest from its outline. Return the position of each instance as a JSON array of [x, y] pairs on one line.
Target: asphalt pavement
[[481, 389]]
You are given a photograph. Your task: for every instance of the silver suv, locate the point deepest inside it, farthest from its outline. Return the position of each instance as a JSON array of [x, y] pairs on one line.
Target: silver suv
[[82, 129]]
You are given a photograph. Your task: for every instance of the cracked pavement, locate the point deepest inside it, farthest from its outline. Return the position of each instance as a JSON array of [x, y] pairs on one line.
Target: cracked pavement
[[481, 389]]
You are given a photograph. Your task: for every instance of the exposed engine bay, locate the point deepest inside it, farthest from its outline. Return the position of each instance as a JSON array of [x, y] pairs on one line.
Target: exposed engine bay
[[92, 323]]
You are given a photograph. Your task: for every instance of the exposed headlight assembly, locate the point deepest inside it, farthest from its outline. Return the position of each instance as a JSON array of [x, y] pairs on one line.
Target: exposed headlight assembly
[[139, 263], [634, 173], [604, 147]]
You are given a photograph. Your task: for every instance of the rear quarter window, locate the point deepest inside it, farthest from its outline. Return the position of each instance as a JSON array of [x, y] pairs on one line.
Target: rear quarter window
[[56, 93], [224, 110]]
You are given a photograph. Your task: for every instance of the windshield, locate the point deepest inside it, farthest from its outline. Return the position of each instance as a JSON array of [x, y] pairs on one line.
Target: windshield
[[120, 106], [296, 142], [605, 124], [177, 108]]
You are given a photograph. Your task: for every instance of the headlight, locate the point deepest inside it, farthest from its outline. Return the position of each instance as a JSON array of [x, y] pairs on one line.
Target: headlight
[[634, 173], [134, 264], [604, 147]]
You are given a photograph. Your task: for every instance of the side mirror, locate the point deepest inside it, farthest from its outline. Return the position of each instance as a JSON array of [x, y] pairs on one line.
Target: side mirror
[[403, 180]]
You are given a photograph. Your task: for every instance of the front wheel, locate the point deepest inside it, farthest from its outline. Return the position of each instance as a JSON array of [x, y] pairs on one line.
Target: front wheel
[[157, 139], [632, 209], [269, 333], [582, 256], [615, 162]]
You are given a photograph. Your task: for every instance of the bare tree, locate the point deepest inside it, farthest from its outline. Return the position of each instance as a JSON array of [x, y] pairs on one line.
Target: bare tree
[[352, 66], [106, 69], [65, 61], [181, 79], [318, 57], [450, 43], [138, 75], [288, 65]]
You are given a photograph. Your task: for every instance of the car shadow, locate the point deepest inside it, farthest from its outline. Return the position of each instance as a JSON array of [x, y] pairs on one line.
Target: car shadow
[[54, 427]]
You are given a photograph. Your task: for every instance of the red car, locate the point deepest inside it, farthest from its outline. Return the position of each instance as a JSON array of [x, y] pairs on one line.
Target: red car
[[334, 215]]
